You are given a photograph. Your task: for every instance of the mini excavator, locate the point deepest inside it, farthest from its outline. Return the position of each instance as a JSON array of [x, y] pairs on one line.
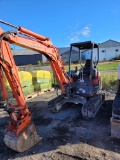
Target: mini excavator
[[80, 86], [85, 83]]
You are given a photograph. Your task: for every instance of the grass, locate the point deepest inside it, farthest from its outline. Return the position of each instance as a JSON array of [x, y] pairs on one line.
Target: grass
[[109, 81], [108, 65], [102, 66]]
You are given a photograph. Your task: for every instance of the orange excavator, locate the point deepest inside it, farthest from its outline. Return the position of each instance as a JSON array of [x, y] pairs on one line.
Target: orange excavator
[[21, 133]]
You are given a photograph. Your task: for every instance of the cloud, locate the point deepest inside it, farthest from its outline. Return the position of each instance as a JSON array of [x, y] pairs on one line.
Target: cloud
[[85, 32], [76, 34], [74, 38]]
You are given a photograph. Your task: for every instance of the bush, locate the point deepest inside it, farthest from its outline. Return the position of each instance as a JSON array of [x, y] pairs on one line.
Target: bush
[[38, 63], [117, 57]]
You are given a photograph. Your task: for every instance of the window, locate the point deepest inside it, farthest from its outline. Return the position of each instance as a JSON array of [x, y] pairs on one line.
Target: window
[[116, 50]]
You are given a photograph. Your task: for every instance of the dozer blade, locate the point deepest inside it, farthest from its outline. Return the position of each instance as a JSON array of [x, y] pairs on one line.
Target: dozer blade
[[24, 141], [70, 99]]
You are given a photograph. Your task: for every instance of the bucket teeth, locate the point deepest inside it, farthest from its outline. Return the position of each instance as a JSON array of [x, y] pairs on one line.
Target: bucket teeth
[[24, 141]]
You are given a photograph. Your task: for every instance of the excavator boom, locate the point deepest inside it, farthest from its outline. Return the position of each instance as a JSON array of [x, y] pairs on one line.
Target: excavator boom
[[21, 133]]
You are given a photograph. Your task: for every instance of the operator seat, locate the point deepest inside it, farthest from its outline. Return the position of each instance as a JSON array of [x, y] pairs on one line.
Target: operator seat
[[86, 69]]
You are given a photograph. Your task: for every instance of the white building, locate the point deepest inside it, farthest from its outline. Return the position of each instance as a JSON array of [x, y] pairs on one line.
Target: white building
[[107, 51]]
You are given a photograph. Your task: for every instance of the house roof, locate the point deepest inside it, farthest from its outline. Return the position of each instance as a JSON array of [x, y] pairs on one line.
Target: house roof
[[30, 52], [73, 52], [23, 52], [109, 43], [63, 49]]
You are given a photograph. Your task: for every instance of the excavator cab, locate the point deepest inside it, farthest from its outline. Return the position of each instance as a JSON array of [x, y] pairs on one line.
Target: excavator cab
[[85, 81]]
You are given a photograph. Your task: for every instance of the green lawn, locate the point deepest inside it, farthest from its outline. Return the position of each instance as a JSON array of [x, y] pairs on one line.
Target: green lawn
[[108, 65], [102, 66]]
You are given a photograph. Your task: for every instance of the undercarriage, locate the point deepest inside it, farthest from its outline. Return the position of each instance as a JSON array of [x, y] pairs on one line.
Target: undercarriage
[[90, 106]]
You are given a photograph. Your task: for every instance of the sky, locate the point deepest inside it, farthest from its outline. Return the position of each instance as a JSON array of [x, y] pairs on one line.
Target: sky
[[65, 21]]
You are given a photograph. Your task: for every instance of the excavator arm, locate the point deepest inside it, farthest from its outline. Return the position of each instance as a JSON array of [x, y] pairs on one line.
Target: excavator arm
[[28, 39], [21, 133]]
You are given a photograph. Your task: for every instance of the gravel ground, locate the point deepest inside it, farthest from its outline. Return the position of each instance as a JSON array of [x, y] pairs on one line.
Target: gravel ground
[[66, 135]]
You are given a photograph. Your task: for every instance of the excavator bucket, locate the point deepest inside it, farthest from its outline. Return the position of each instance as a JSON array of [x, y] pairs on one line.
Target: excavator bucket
[[24, 141]]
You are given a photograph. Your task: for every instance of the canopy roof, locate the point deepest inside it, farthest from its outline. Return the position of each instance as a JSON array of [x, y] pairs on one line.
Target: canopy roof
[[85, 45]]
